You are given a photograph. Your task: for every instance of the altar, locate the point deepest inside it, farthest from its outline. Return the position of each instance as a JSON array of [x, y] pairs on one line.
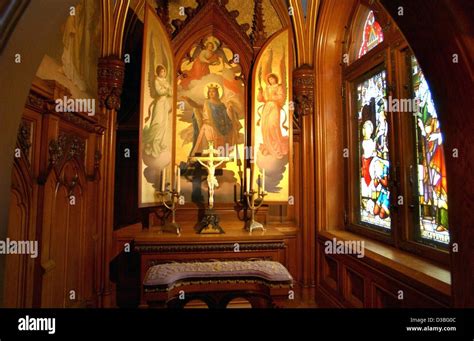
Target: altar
[[152, 246], [215, 151]]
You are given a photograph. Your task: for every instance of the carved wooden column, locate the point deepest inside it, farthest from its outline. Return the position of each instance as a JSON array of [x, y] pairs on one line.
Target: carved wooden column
[[110, 81], [111, 70], [303, 97]]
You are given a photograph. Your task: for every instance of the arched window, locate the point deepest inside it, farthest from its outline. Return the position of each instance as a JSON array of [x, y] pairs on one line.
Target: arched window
[[397, 190], [372, 35]]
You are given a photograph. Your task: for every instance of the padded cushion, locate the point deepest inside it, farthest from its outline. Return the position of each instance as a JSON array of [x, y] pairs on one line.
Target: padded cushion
[[168, 274]]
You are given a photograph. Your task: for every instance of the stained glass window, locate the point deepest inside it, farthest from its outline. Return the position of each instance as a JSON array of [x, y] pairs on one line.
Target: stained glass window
[[371, 36], [374, 161], [432, 184]]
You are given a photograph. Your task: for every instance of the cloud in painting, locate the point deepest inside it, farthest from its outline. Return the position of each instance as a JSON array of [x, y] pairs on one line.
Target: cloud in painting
[[274, 170]]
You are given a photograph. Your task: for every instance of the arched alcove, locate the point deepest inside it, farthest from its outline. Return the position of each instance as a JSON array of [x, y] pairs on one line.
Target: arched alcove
[[451, 85]]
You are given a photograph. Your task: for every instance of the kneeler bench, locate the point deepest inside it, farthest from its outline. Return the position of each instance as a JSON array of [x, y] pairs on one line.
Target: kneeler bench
[[263, 283]]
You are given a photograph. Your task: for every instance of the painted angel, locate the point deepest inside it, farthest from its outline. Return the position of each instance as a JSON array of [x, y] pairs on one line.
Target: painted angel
[[205, 54], [273, 98], [156, 123]]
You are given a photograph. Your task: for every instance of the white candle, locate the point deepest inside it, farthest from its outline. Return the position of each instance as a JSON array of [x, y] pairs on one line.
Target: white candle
[[259, 184], [248, 180], [163, 179], [236, 153], [263, 180], [175, 169], [178, 180]]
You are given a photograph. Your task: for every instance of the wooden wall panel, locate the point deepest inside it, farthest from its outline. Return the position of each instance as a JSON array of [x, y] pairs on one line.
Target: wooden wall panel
[[63, 240], [20, 268], [15, 275], [347, 281], [329, 273], [60, 157], [382, 298], [354, 287]]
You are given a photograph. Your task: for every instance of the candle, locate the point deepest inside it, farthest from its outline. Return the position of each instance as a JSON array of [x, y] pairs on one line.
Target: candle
[[263, 180], [259, 184], [163, 179], [175, 187], [248, 180], [178, 180]]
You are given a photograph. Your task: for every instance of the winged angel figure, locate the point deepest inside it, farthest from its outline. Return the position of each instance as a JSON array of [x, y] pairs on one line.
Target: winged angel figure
[[160, 89], [208, 52], [273, 98]]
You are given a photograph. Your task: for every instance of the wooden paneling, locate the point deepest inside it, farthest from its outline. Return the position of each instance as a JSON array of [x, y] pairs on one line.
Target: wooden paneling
[[54, 203], [63, 236], [329, 271], [348, 281], [20, 268], [384, 299], [15, 274], [353, 287]]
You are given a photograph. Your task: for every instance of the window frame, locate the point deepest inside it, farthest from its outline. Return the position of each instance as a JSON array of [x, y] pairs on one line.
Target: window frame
[[409, 180], [360, 73], [393, 55]]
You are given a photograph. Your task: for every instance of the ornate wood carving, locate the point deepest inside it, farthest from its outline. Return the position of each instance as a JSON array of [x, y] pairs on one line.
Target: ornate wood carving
[[303, 93], [162, 9], [97, 158], [35, 102], [65, 148], [55, 152], [258, 35], [111, 72], [79, 121], [206, 6], [24, 138], [69, 184], [41, 99]]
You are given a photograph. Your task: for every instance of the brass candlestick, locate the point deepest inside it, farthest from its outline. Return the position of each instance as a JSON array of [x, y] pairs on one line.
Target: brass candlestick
[[254, 203], [173, 226]]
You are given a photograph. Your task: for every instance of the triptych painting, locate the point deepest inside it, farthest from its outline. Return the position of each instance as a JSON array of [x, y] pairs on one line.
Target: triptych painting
[[204, 99]]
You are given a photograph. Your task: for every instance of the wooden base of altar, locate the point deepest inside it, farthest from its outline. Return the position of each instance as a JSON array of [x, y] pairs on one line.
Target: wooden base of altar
[[152, 246]]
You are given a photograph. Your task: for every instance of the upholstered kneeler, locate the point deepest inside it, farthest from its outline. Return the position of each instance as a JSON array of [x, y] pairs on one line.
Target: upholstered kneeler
[[262, 283]]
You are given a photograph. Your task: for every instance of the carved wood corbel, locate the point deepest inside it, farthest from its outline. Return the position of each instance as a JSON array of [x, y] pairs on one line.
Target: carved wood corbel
[[303, 94], [111, 73]]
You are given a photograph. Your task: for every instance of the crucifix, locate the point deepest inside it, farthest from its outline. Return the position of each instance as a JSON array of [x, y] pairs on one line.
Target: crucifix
[[210, 222]]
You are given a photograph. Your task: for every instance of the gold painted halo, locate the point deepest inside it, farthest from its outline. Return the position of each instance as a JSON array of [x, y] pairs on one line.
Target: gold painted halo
[[220, 90], [214, 41]]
